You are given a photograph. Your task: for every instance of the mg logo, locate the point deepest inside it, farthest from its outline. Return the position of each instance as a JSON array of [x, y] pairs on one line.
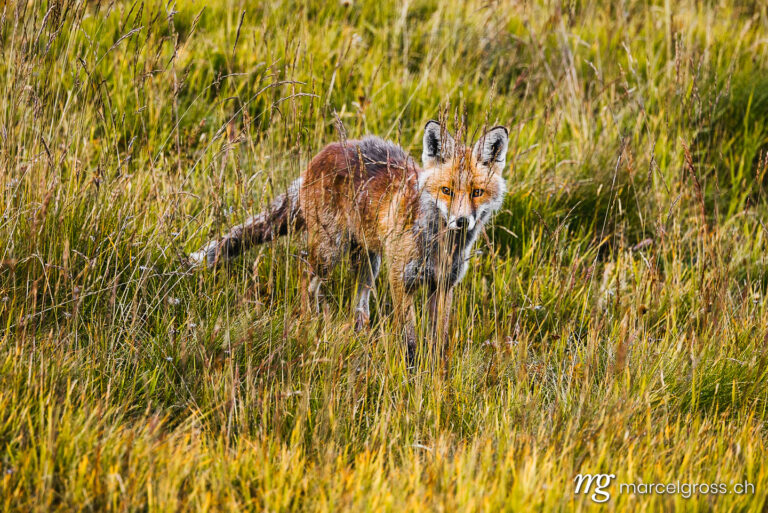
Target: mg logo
[[602, 481]]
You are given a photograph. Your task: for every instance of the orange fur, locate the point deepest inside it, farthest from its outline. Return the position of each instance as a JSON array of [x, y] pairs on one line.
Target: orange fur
[[369, 198]]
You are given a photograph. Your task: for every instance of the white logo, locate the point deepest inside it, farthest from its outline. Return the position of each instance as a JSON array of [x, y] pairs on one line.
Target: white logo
[[602, 481]]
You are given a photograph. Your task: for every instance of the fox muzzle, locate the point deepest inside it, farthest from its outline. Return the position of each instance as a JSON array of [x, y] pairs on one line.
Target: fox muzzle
[[466, 223]]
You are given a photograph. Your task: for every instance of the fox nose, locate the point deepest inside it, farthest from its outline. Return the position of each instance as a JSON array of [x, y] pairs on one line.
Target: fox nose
[[462, 223]]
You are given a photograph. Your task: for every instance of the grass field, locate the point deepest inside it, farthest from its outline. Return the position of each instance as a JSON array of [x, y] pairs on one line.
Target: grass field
[[615, 320]]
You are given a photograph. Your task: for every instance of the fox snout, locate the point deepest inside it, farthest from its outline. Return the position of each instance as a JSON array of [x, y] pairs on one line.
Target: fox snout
[[460, 213], [461, 223]]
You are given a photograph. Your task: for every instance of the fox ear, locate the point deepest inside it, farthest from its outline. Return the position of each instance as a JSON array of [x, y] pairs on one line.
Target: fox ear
[[438, 144], [491, 149]]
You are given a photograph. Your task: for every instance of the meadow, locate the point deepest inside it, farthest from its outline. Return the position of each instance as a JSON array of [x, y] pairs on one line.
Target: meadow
[[613, 320]]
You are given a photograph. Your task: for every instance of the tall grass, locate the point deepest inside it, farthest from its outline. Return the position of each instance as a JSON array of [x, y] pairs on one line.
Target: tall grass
[[614, 320]]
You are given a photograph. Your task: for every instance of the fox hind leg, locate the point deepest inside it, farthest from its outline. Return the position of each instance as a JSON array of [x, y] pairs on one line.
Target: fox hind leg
[[315, 290], [324, 252], [367, 264]]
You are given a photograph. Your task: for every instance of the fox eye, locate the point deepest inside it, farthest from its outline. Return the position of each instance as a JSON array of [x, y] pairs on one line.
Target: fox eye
[[477, 193], [447, 191]]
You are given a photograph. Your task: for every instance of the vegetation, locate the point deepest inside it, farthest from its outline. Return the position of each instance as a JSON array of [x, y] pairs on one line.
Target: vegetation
[[614, 321]]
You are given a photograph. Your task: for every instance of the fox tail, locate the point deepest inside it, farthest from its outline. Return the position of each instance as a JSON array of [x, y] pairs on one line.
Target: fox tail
[[274, 222]]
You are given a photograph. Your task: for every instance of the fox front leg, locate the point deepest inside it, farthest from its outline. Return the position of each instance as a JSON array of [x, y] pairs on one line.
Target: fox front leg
[[408, 328], [439, 307], [404, 315]]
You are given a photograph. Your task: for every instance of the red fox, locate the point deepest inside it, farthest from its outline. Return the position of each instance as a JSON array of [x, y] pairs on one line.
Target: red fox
[[368, 198]]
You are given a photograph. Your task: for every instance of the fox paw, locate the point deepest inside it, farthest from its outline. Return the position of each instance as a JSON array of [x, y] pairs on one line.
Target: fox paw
[[361, 320]]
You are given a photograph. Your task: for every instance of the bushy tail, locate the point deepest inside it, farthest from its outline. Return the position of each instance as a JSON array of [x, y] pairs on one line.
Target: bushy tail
[[283, 213]]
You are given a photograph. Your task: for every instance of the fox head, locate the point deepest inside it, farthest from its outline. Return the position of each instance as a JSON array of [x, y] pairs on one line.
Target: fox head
[[465, 185]]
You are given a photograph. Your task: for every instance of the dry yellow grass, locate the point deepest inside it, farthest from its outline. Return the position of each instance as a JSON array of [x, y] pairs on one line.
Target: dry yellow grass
[[615, 321]]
